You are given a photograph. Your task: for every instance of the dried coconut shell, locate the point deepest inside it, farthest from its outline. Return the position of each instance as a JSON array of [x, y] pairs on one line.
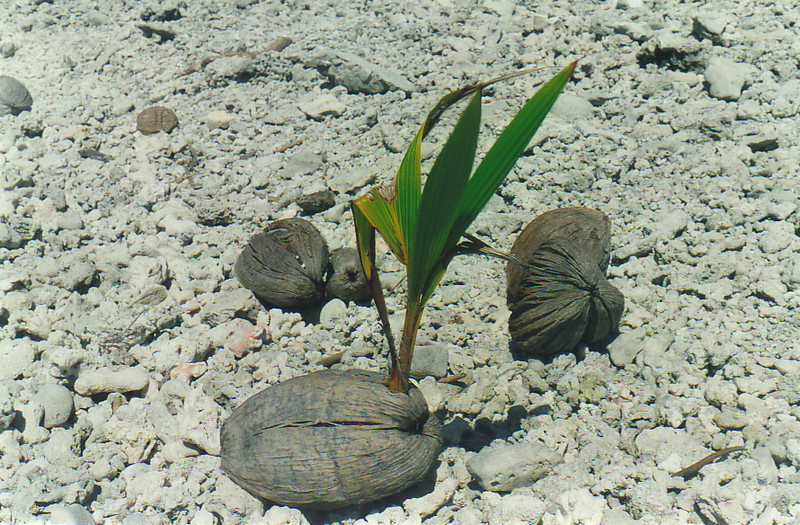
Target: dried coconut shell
[[285, 265], [330, 439], [559, 296]]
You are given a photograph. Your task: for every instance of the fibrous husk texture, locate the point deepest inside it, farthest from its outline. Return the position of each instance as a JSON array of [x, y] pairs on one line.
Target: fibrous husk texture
[[330, 439], [560, 297], [285, 265]]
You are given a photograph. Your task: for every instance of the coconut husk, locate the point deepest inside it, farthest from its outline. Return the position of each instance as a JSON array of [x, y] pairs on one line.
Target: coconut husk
[[330, 439], [558, 293], [285, 265]]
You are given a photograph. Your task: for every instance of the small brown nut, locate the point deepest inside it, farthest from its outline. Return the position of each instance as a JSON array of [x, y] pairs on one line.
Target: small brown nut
[[155, 119], [346, 280]]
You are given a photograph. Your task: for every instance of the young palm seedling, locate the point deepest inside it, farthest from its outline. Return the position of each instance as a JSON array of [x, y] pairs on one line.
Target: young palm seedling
[[340, 437], [424, 224]]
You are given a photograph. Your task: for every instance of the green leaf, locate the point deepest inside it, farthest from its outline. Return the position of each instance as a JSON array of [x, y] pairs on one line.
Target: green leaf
[[508, 147], [381, 214], [444, 187], [408, 190]]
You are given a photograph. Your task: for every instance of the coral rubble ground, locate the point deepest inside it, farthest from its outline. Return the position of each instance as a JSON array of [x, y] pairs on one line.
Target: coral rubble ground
[[125, 339]]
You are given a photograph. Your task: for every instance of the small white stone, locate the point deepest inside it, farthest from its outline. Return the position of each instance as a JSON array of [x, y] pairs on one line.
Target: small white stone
[[70, 220], [506, 467], [570, 106], [218, 119], [322, 106], [105, 380], [284, 516], [121, 106], [72, 515], [16, 356], [332, 312], [204, 517], [430, 503], [57, 403], [725, 78]]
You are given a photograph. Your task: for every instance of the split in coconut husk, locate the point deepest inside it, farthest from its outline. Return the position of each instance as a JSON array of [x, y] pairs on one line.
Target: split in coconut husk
[[332, 439], [558, 293]]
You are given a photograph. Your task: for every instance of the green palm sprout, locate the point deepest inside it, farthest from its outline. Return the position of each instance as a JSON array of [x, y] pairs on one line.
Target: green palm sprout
[[423, 225]]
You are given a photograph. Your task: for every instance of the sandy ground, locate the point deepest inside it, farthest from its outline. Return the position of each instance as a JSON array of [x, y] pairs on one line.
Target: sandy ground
[[125, 339]]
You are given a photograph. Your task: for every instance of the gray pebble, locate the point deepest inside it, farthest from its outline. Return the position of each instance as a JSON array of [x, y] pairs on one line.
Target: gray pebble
[[430, 360], [96, 18], [725, 78], [791, 273], [72, 515], [14, 97], [70, 220], [772, 290], [356, 74], [302, 163], [78, 275], [778, 236], [709, 26], [618, 517], [730, 420], [57, 403], [629, 4], [507, 467], [518, 508], [332, 312], [9, 238], [105, 380], [350, 180], [655, 346], [671, 225], [225, 305], [7, 412], [624, 349], [570, 106], [7, 49]]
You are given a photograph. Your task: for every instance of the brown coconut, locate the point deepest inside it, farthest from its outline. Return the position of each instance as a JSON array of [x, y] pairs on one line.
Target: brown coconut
[[285, 265], [330, 439], [558, 293]]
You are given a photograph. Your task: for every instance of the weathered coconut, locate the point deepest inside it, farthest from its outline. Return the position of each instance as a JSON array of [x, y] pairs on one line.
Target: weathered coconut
[[14, 96], [346, 278], [285, 265], [330, 439], [560, 297], [155, 119]]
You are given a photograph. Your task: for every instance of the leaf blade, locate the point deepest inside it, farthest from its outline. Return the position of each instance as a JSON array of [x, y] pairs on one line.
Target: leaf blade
[[508, 147], [440, 200], [380, 212]]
